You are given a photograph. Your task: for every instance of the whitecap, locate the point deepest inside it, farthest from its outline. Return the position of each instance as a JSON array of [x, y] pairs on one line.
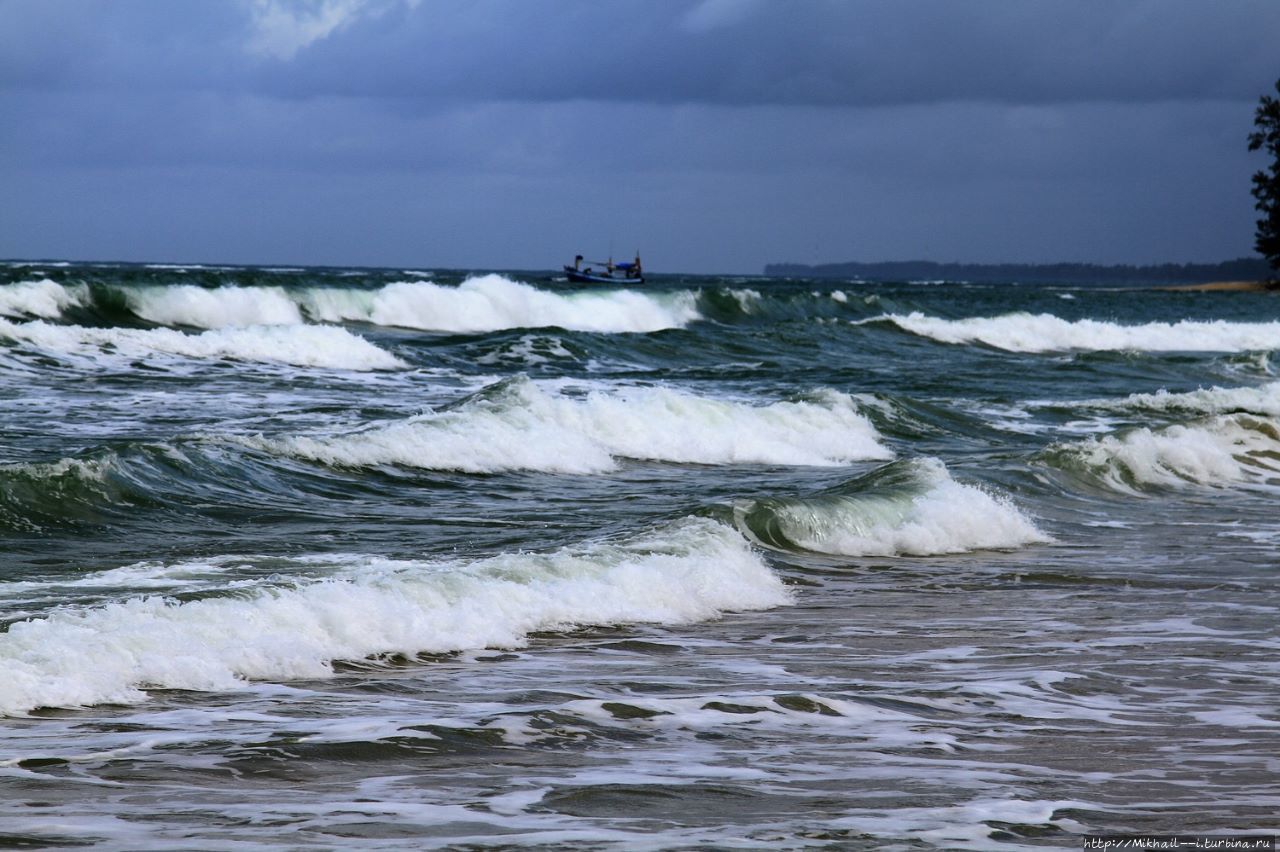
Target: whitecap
[[494, 303], [690, 571], [909, 508], [308, 346], [44, 298], [517, 425], [1024, 332]]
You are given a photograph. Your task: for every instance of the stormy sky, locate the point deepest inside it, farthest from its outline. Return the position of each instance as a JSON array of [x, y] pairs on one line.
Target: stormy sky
[[713, 135]]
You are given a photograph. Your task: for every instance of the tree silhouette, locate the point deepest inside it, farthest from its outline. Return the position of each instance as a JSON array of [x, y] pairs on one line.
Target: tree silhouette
[[1266, 183]]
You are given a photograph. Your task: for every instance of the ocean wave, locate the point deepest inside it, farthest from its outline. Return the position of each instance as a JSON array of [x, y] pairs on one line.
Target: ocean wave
[[911, 507], [133, 483], [1219, 451], [304, 346], [220, 307], [479, 304], [42, 494], [517, 425], [368, 607], [45, 298], [1024, 332], [742, 305], [495, 303], [141, 577], [1264, 399]]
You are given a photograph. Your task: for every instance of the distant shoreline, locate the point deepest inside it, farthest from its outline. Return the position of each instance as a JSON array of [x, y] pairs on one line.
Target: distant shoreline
[[1245, 273], [1246, 286]]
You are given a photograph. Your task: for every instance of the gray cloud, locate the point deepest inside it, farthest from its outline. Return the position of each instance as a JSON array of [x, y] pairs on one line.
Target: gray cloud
[[812, 53], [717, 135], [819, 52]]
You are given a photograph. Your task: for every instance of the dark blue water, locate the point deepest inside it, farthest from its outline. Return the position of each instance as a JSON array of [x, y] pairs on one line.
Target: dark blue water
[[302, 558]]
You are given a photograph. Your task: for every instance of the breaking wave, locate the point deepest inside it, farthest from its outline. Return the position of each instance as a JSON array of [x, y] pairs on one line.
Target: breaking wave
[[911, 507], [305, 346], [44, 298], [516, 425], [354, 608], [481, 304], [495, 303], [35, 496], [1218, 451], [1255, 400], [220, 307], [1024, 332]]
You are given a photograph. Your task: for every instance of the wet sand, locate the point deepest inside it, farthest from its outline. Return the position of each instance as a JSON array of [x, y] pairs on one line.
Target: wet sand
[[1252, 286]]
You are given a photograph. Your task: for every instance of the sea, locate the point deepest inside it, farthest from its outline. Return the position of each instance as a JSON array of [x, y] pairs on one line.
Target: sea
[[320, 558]]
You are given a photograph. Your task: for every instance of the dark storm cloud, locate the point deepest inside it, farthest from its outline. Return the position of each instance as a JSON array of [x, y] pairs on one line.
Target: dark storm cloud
[[718, 134], [803, 53], [729, 52]]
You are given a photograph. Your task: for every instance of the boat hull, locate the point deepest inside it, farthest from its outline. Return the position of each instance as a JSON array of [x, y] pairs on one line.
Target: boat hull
[[592, 278]]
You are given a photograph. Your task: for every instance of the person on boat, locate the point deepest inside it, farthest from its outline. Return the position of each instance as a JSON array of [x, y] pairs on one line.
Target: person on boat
[[577, 261]]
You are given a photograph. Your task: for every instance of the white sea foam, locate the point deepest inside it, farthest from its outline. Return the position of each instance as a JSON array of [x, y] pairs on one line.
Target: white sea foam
[[888, 727], [142, 576], [1264, 399], [309, 345], [493, 303], [43, 298], [1218, 451], [521, 426], [966, 825], [203, 307], [1023, 332], [90, 470], [690, 571], [748, 300], [936, 515], [529, 350], [486, 303]]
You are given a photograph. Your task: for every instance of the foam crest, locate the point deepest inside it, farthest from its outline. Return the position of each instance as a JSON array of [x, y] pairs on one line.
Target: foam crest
[[907, 508], [1024, 332], [1257, 400], [220, 307], [494, 303], [43, 298], [687, 572], [302, 345], [1219, 451], [516, 425]]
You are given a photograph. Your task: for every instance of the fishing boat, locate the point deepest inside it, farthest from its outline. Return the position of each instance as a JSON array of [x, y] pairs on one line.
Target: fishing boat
[[605, 272]]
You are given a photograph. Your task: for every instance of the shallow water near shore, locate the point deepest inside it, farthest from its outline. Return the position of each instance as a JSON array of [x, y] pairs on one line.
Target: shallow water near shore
[[311, 558]]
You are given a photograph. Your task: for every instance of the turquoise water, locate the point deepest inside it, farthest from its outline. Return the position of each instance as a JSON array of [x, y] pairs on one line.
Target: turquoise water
[[310, 558]]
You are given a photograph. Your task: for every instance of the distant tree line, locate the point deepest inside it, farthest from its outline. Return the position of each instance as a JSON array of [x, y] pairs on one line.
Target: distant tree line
[[1241, 269], [1266, 183]]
